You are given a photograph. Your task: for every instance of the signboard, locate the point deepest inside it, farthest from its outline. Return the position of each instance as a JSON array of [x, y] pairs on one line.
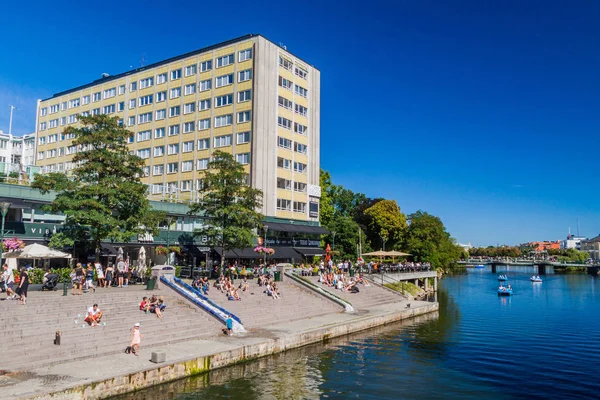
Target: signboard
[[293, 242]]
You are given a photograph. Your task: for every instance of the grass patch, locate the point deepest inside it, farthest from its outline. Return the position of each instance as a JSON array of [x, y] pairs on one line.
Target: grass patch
[[404, 287]]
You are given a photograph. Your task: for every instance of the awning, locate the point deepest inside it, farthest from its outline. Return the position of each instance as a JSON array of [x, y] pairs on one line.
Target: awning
[[248, 252], [277, 227], [108, 250], [310, 251]]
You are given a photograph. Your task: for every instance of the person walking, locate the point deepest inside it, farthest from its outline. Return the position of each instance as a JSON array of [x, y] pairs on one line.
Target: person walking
[[89, 278], [99, 274], [8, 277], [136, 339], [79, 278], [109, 275], [23, 285], [120, 272]]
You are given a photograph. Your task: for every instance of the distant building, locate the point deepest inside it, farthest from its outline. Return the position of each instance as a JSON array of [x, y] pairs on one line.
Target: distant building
[[467, 246], [592, 246], [572, 242], [17, 153], [544, 245]]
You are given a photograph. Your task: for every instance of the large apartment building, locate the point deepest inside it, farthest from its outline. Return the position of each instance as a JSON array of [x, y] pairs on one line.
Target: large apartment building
[[247, 96]]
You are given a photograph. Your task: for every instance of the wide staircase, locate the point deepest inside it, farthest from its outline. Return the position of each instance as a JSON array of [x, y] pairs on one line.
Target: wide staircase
[[28, 331], [257, 310], [368, 296]]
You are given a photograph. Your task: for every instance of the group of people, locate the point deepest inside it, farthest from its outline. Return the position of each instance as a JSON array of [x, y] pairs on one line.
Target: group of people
[[7, 284], [153, 305], [117, 275], [342, 281]]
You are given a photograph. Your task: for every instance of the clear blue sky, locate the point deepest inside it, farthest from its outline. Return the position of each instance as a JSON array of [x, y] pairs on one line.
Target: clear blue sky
[[485, 113]]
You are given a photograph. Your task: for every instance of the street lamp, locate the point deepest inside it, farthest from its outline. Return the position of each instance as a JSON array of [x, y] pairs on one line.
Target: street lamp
[[266, 228], [383, 240], [4, 206]]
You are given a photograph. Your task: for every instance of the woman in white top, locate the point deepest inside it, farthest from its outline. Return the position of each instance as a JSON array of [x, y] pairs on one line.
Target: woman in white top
[[99, 274]]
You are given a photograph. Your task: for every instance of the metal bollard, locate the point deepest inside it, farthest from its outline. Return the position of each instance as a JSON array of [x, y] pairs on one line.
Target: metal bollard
[[64, 287]]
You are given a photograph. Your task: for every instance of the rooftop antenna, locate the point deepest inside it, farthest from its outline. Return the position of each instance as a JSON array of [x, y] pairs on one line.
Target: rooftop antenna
[[577, 227], [10, 120]]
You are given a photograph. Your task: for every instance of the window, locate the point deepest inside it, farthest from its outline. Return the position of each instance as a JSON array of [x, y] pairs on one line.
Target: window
[[188, 146], [108, 93], [63, 120], [285, 143], [204, 105], [301, 110], [243, 116], [283, 204], [205, 85], [300, 148], [161, 114], [146, 170], [70, 135], [144, 135], [284, 163], [223, 80], [158, 170], [187, 166], [244, 76], [300, 72], [243, 158], [222, 141], [285, 103], [285, 63], [284, 184], [299, 187], [86, 99], [121, 106], [186, 185], [189, 108], [203, 144], [159, 133], [40, 155], [161, 96], [132, 86], [190, 70], [245, 95], [73, 118], [299, 207], [175, 92], [173, 149], [284, 122], [71, 149], [301, 129], [188, 127], [174, 111], [223, 100], [85, 113], [144, 83], [122, 89], [42, 126], [175, 74], [131, 121], [299, 167], [51, 139], [50, 153], [190, 89], [206, 66], [43, 111], [204, 124], [54, 108], [173, 130], [243, 137], [244, 55], [108, 109], [73, 103], [132, 103], [300, 91], [96, 97], [284, 83], [172, 168], [145, 100], [143, 118], [202, 163], [143, 153], [161, 78], [223, 120], [225, 60]]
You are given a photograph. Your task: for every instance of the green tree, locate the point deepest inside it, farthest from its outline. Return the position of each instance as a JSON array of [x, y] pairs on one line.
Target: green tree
[[60, 240], [229, 205], [326, 208], [387, 223], [428, 240], [104, 198], [346, 237]]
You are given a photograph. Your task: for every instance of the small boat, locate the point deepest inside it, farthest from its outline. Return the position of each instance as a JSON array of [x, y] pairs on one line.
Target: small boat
[[535, 279], [502, 278], [480, 266], [504, 291]]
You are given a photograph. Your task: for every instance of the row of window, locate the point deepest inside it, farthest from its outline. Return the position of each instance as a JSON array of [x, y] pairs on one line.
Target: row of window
[[289, 105], [287, 84], [185, 166], [287, 124], [203, 124], [286, 205], [286, 184], [287, 164], [184, 185], [289, 65], [202, 86], [287, 144]]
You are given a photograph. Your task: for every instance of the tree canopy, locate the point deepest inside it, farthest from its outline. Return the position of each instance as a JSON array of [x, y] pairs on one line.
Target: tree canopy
[[387, 223], [229, 206], [103, 197]]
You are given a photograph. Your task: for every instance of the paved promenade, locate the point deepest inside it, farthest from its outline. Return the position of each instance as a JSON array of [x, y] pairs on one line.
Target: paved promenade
[[113, 373]]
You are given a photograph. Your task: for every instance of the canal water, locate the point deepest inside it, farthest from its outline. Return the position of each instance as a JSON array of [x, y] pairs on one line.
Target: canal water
[[543, 342]]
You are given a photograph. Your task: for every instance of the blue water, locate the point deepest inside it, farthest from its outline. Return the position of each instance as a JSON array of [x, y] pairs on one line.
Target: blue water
[[543, 342]]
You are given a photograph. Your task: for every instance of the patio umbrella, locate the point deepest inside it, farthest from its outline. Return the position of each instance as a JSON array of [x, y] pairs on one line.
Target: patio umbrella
[[36, 251], [141, 261]]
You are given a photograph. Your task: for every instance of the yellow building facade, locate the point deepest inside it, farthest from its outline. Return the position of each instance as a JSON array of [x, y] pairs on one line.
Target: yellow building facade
[[247, 96]]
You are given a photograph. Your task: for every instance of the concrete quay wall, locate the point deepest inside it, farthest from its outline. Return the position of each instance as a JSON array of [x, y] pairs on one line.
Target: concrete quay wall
[[255, 349]]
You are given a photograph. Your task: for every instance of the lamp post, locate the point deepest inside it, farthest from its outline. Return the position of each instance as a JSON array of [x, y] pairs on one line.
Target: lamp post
[[4, 206], [266, 228]]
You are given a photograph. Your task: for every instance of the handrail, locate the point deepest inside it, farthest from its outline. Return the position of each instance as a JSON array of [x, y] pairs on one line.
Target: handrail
[[346, 304], [209, 301]]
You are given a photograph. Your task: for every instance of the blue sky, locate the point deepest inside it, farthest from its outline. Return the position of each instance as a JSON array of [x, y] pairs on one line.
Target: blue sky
[[485, 113]]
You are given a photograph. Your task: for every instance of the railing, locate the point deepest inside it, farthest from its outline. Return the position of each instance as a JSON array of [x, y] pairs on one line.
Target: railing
[[347, 306]]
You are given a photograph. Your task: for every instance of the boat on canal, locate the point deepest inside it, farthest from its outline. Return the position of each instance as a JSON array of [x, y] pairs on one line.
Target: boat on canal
[[480, 266], [502, 278], [536, 279], [505, 291]]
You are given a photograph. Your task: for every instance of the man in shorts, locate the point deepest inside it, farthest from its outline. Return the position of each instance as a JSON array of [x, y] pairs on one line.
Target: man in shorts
[[120, 272], [93, 315], [9, 280]]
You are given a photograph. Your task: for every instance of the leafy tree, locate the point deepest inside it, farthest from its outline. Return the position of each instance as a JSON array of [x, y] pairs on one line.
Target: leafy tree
[[428, 240], [326, 203], [229, 205], [60, 240], [104, 196], [346, 237], [387, 223]]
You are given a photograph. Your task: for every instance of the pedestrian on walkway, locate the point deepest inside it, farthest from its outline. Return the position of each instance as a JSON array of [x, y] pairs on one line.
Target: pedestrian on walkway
[[9, 280], [23, 285], [120, 272], [99, 274], [89, 278], [136, 339]]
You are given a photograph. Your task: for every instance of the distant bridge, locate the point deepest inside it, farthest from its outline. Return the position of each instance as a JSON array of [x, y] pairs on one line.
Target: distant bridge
[[541, 265]]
